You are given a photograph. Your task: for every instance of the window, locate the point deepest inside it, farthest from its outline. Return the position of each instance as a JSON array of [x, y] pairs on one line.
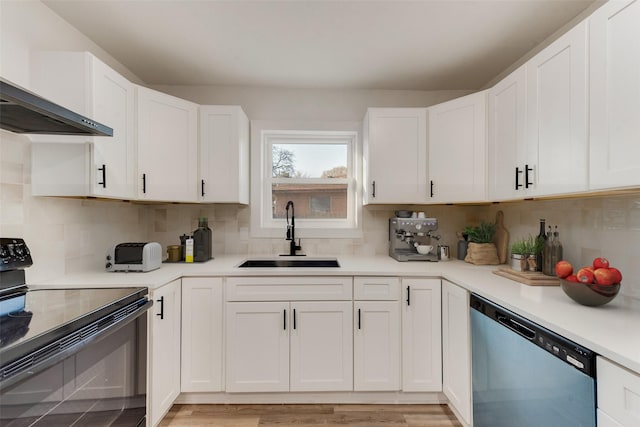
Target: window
[[317, 171]]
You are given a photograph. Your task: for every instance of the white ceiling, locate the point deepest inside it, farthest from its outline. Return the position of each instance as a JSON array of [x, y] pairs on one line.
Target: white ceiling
[[392, 44]]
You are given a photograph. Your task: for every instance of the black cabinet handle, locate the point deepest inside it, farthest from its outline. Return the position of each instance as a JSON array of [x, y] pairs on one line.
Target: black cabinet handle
[[373, 194], [431, 188], [284, 324], [202, 187], [408, 295], [518, 172], [144, 183], [294, 318], [359, 320], [161, 314], [527, 169], [104, 176]]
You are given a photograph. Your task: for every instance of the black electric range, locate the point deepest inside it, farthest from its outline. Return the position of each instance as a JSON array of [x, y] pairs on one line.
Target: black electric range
[[42, 327]]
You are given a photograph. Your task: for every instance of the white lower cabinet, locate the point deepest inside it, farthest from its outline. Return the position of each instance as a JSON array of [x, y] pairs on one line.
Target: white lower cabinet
[[257, 346], [201, 362], [376, 334], [321, 346], [300, 344], [376, 346], [421, 335], [164, 347], [456, 349], [618, 395], [289, 346]]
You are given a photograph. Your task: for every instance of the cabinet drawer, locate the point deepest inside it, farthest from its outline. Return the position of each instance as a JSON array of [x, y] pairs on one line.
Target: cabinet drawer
[[618, 392], [289, 288], [376, 288]]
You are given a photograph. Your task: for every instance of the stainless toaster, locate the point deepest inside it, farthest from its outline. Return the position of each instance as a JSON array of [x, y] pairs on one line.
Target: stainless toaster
[[134, 257]]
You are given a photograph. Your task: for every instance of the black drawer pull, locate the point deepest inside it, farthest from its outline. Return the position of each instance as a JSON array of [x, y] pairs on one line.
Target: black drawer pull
[[104, 176], [161, 314]]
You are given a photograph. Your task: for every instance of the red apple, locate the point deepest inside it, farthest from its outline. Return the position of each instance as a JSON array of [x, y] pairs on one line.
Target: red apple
[[617, 274], [585, 275], [600, 263], [563, 269], [604, 276], [571, 278]]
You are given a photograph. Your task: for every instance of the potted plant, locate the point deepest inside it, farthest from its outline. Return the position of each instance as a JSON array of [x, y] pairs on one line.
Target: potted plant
[[519, 253], [524, 251], [481, 250]]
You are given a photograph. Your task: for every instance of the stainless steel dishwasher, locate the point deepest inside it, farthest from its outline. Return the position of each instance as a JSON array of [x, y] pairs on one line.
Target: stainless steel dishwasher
[[525, 375]]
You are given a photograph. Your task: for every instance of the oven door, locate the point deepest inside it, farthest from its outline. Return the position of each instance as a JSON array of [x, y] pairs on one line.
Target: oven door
[[101, 384]]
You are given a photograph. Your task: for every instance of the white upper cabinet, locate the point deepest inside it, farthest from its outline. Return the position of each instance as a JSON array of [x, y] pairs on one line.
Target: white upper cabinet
[[395, 155], [538, 143], [507, 143], [82, 83], [458, 149], [224, 155], [615, 95], [557, 159], [167, 147]]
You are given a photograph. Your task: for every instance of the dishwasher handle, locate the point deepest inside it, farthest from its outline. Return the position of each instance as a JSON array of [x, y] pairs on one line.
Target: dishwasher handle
[[516, 326]]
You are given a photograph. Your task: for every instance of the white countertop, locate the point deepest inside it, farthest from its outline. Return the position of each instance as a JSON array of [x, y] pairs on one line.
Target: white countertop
[[612, 330]]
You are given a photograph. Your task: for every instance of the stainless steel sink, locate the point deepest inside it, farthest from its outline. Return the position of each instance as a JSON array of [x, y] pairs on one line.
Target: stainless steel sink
[[289, 263]]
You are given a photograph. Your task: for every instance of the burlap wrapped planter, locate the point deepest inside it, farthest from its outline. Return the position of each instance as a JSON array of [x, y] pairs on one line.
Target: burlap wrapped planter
[[482, 254]]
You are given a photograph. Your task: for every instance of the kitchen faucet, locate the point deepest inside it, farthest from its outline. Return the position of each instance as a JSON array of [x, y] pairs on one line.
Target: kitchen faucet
[[291, 231]]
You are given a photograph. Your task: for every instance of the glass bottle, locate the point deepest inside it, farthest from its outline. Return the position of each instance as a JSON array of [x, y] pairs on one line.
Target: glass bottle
[[548, 267], [201, 241], [556, 248], [539, 256]]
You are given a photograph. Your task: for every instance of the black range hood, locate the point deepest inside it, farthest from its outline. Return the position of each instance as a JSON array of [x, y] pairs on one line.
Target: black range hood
[[24, 112]]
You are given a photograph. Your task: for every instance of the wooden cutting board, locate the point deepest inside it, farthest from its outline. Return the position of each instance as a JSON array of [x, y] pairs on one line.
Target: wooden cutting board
[[531, 278], [501, 238]]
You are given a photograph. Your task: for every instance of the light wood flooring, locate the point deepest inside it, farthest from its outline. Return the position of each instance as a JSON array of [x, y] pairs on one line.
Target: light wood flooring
[[310, 415]]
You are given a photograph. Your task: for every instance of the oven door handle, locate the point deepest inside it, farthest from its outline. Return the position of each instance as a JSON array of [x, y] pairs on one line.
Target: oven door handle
[[29, 364]]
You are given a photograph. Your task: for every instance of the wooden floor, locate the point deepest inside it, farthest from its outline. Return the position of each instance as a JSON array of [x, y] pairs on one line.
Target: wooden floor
[[310, 415]]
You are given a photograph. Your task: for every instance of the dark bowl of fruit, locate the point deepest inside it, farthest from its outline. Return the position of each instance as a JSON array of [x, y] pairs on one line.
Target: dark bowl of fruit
[[590, 294], [592, 285]]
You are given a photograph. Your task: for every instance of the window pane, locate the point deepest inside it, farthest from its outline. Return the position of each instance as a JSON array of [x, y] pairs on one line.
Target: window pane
[[309, 160], [310, 200]]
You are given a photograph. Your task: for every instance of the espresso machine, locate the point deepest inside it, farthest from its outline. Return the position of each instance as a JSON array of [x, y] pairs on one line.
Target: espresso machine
[[405, 234]]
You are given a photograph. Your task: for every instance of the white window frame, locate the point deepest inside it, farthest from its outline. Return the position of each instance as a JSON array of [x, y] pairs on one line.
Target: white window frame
[[263, 135]]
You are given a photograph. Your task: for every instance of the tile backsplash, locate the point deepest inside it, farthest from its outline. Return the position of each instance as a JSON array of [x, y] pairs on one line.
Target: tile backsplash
[[70, 235]]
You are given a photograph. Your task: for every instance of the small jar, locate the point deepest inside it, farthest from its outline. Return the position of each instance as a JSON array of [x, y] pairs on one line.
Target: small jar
[[174, 253]]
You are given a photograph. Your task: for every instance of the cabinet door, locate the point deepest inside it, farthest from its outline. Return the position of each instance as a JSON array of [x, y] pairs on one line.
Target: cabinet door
[[167, 147], [614, 95], [456, 349], [507, 142], [114, 162], [321, 346], [376, 346], [89, 165], [458, 149], [421, 335], [224, 154], [201, 334], [618, 392], [257, 346], [395, 155], [557, 115], [164, 359]]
